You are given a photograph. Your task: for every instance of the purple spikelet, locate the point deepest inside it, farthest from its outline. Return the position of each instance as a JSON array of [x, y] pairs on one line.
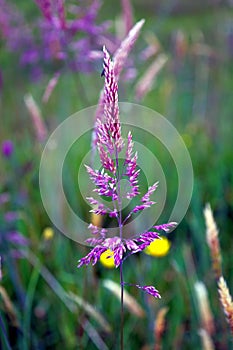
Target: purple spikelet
[[7, 148], [146, 197], [165, 227], [93, 256], [105, 184], [131, 168], [149, 290]]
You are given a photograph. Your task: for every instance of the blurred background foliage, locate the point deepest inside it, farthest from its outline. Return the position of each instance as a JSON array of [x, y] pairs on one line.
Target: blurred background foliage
[[194, 91]]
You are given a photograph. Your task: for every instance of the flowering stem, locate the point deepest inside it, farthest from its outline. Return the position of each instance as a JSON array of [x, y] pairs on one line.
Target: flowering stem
[[108, 183], [121, 264], [122, 306]]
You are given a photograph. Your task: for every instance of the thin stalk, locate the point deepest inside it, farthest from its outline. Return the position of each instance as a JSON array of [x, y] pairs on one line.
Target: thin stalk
[[122, 288], [122, 306], [28, 307], [122, 285], [4, 337], [121, 264]]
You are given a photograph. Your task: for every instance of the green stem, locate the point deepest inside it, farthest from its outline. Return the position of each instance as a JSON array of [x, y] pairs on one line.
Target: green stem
[[28, 307], [121, 264], [4, 335], [122, 305]]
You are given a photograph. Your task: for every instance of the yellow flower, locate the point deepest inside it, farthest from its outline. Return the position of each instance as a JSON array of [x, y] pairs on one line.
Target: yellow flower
[[48, 233], [105, 261], [159, 247]]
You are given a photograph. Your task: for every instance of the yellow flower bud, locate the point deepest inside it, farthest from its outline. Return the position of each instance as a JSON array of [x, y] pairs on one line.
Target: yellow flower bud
[[48, 233]]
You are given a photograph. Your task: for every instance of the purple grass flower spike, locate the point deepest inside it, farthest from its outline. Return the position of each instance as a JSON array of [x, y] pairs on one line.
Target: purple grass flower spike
[[107, 183], [119, 62], [126, 46], [127, 14], [111, 109], [7, 148]]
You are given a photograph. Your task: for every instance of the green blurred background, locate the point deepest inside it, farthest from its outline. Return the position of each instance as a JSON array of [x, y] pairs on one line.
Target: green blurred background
[[194, 92]]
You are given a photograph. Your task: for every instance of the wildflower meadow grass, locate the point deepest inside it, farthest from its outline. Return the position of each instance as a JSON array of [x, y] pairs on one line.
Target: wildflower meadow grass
[[116, 117]]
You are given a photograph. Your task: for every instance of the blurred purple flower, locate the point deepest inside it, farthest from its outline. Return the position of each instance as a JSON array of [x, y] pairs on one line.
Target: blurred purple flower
[[107, 182], [16, 254], [4, 198], [121, 55], [7, 148], [64, 36], [46, 8], [11, 216], [16, 237]]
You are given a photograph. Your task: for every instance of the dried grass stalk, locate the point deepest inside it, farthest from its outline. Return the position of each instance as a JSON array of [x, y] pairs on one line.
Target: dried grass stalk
[[91, 311], [144, 85], [129, 301], [207, 343], [50, 87], [213, 241], [226, 301], [207, 320], [96, 220], [159, 327], [37, 120], [8, 306]]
